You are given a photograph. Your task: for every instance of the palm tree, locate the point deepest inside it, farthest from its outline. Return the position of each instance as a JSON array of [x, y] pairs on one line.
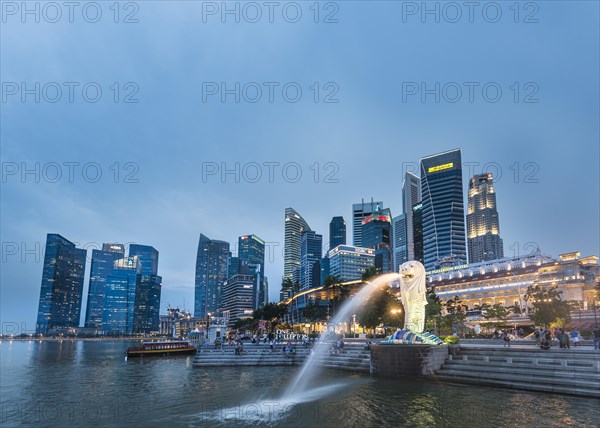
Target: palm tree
[[332, 282], [369, 273], [292, 287]]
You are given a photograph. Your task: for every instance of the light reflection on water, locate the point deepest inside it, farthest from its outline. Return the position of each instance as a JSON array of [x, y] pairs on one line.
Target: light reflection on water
[[89, 383]]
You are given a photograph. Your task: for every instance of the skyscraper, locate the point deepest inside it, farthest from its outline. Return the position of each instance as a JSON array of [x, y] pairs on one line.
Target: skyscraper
[[147, 300], [417, 210], [483, 226], [337, 232], [62, 284], [311, 247], [324, 267], [411, 195], [377, 234], [359, 212], [211, 273], [294, 226], [443, 210], [400, 241], [147, 256], [121, 288], [102, 266], [251, 250], [238, 297], [349, 263]]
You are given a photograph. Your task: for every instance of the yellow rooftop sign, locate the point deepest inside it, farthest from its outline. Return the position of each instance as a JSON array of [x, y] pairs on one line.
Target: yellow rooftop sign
[[441, 167]]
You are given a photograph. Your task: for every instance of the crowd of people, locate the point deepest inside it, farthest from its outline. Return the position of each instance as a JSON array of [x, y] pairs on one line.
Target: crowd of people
[[544, 337]]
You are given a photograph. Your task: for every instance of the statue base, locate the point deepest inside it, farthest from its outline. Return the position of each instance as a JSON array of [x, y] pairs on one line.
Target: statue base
[[409, 337]]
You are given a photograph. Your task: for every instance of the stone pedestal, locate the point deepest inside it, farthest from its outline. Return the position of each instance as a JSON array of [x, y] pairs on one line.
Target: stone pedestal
[[398, 361]]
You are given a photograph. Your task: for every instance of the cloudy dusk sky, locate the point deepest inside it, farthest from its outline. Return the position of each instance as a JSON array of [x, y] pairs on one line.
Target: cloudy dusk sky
[[120, 131]]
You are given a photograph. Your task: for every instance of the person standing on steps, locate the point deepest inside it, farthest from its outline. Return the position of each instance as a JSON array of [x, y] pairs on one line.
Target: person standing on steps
[[564, 339], [575, 337], [506, 338], [597, 338]]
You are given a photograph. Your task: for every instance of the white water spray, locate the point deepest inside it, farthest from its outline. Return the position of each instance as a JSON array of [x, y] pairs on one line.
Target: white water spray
[[297, 388]]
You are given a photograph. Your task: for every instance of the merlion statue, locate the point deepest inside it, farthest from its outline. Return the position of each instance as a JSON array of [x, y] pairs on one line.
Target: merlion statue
[[414, 295]]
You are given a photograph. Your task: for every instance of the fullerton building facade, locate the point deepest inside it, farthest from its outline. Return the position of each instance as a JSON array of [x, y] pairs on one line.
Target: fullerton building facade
[[505, 281]]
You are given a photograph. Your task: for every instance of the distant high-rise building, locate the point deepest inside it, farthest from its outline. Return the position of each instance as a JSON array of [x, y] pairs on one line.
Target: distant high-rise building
[[311, 248], [211, 273], [62, 285], [147, 256], [234, 266], [122, 284], [147, 300], [403, 239], [377, 234], [483, 226], [359, 212], [411, 195], [294, 226], [337, 232], [443, 210], [324, 267], [417, 210], [238, 297], [251, 249], [350, 263], [400, 241], [102, 266]]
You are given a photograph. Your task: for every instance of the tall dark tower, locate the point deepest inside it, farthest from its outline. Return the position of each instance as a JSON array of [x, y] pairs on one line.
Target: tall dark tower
[[102, 266], [444, 241], [251, 252], [337, 232], [211, 274], [147, 300], [62, 285]]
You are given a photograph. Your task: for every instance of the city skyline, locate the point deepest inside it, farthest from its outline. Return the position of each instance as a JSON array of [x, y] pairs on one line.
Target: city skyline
[[244, 248]]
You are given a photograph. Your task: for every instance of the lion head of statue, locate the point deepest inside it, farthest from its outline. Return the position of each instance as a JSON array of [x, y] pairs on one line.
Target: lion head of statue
[[411, 271]]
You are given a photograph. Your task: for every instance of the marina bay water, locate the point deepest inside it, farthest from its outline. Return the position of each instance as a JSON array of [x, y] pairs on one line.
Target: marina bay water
[[86, 383]]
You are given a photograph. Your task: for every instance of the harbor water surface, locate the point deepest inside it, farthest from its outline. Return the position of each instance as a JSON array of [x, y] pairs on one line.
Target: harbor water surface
[[77, 383]]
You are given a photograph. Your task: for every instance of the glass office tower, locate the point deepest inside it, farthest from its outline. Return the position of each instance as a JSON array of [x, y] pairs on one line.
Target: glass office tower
[[102, 266], [120, 292], [359, 212], [211, 274], [311, 249], [337, 232], [62, 285], [147, 299], [444, 241], [294, 226], [251, 250]]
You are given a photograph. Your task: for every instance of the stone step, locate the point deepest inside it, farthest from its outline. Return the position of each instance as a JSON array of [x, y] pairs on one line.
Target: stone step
[[518, 385], [550, 353], [531, 379], [544, 362], [589, 366], [525, 371], [583, 371]]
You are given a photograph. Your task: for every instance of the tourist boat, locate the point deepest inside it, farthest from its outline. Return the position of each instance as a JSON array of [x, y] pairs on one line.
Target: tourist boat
[[176, 347]]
